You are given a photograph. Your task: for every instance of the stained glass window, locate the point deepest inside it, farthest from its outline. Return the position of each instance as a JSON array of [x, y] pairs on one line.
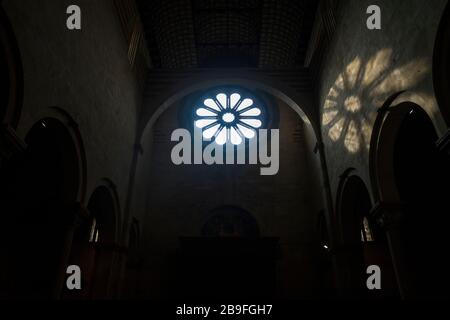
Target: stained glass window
[[228, 118]]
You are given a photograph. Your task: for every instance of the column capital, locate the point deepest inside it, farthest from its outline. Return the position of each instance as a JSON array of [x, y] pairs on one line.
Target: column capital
[[388, 215]]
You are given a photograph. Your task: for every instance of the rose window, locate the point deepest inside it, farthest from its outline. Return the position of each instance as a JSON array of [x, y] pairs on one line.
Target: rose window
[[228, 118]]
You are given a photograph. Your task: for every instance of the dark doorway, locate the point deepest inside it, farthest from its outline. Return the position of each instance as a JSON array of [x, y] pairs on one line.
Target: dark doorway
[[363, 244], [354, 206], [93, 247], [39, 189], [229, 221], [102, 208], [422, 174]]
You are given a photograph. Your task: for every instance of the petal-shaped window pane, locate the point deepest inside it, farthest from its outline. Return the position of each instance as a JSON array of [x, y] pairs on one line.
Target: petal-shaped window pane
[[209, 133], [251, 113], [245, 104], [235, 98], [202, 112], [204, 123], [248, 133], [221, 138], [212, 104], [252, 122], [235, 137], [222, 98]]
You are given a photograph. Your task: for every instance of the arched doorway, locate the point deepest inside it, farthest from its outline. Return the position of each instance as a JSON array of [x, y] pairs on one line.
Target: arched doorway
[[103, 209], [422, 176], [230, 221], [94, 246], [362, 242], [39, 190], [353, 208], [411, 175], [228, 228]]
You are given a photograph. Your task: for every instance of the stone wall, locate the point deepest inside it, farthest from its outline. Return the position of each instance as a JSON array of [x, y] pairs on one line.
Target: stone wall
[[87, 74], [363, 68], [286, 205]]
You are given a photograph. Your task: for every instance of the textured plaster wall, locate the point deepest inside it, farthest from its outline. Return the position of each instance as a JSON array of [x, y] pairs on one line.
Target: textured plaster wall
[[181, 197], [363, 68], [87, 74]]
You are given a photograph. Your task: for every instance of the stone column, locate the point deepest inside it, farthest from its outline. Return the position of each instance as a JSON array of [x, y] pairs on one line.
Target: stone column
[[329, 214], [10, 143], [444, 143], [122, 269], [107, 270], [389, 216], [75, 215]]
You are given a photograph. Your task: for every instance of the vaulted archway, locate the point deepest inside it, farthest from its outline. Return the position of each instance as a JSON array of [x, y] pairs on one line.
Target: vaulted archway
[[94, 246], [104, 211], [40, 189], [410, 177], [294, 88], [362, 242]]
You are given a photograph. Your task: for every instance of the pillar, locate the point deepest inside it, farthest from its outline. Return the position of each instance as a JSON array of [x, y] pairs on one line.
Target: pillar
[[389, 216], [74, 217]]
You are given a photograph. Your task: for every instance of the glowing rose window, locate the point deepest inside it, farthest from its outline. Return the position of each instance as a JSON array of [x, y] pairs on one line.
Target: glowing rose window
[[228, 118]]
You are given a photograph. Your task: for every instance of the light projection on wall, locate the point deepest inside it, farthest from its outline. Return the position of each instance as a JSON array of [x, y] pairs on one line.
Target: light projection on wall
[[350, 107], [228, 118]]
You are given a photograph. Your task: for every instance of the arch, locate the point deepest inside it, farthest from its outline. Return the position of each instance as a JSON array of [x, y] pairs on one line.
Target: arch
[[11, 74], [103, 224], [40, 188], [230, 221], [441, 65], [386, 128], [300, 101], [94, 243], [355, 229], [76, 142], [57, 135], [409, 177], [353, 204], [362, 240], [104, 206]]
